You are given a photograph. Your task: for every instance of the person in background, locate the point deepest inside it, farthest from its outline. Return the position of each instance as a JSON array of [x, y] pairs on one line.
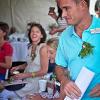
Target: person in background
[[6, 50], [62, 24], [12, 30], [72, 52], [12, 34], [52, 47], [97, 8], [37, 63]]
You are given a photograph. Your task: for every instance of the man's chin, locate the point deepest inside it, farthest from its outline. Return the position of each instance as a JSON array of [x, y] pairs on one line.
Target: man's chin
[[70, 23]]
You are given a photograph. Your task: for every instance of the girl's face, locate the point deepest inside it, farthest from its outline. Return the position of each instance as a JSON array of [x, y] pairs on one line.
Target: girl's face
[[35, 34], [51, 52], [2, 34]]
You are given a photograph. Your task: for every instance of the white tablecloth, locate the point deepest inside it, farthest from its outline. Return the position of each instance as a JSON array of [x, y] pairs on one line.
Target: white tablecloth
[[20, 51]]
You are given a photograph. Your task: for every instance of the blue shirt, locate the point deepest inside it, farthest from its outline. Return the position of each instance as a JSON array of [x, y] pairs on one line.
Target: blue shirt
[[70, 44]]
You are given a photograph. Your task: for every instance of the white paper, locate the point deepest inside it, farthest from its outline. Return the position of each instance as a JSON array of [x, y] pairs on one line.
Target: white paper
[[6, 76], [83, 80]]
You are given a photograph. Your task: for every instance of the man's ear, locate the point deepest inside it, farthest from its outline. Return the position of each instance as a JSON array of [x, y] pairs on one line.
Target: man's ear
[[83, 4]]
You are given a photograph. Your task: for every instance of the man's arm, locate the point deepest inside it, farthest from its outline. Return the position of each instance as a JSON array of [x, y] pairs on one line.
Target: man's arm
[[68, 87], [60, 73], [95, 92]]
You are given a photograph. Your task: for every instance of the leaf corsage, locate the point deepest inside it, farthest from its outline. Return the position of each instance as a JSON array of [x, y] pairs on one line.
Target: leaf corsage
[[86, 50]]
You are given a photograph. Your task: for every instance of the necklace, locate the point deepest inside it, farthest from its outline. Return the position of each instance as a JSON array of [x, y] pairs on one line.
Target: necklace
[[33, 52]]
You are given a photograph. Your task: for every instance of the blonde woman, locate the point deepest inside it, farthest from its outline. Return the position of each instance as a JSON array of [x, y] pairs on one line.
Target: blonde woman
[[52, 47]]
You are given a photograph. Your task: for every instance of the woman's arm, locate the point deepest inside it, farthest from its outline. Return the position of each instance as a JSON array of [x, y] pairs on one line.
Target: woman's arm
[[43, 62], [55, 30], [8, 63], [19, 67]]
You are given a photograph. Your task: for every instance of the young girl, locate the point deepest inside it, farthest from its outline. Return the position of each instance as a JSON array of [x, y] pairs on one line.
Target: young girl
[[52, 47]]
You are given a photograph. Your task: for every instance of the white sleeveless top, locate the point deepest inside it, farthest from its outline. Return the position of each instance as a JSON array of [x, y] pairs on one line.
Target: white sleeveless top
[[32, 66]]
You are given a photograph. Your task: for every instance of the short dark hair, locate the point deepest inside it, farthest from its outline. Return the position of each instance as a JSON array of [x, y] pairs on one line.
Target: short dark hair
[[87, 1], [97, 5], [34, 24], [5, 28]]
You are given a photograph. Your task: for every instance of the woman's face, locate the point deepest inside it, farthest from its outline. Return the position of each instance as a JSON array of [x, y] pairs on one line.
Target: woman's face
[[51, 52], [36, 34], [2, 34]]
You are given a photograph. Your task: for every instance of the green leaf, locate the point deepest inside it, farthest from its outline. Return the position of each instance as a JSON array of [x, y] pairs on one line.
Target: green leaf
[[86, 50]]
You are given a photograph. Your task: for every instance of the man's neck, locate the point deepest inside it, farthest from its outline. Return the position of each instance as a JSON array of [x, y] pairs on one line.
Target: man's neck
[[85, 24]]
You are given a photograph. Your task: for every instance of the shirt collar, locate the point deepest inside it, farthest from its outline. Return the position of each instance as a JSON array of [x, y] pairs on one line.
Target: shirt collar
[[91, 27]]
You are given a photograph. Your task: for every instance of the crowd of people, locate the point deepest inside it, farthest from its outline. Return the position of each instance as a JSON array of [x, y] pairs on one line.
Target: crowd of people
[[77, 47]]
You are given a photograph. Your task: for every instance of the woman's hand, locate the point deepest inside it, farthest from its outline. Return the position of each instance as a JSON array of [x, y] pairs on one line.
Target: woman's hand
[[95, 92], [20, 76], [53, 31], [53, 15], [71, 90], [13, 69]]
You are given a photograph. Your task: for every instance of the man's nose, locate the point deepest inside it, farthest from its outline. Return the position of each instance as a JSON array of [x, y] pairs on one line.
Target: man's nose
[[63, 14]]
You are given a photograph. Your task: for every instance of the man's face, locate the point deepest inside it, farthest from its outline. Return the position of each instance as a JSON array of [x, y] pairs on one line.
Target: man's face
[[71, 11]]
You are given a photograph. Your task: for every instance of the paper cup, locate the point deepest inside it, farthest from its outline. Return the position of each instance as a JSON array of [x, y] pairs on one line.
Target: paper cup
[[50, 91], [42, 85]]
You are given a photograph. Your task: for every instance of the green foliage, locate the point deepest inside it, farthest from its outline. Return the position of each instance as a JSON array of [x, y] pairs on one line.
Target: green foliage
[[86, 50], [53, 77]]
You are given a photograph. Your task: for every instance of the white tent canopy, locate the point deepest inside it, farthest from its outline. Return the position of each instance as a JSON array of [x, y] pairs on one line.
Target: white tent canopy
[[19, 12]]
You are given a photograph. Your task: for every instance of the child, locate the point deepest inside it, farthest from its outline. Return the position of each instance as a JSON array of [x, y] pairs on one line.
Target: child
[[52, 47]]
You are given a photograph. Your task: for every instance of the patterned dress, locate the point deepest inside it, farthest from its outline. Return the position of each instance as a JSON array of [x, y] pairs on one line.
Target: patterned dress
[[32, 66]]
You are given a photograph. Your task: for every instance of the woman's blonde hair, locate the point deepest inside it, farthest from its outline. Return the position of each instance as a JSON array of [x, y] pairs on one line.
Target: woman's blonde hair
[[53, 43]]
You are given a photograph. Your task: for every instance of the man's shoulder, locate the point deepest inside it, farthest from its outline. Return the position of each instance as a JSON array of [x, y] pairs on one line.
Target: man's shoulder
[[97, 21]]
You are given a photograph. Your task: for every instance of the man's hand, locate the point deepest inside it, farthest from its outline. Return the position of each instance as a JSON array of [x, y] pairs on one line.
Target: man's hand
[[71, 90], [95, 92], [67, 86]]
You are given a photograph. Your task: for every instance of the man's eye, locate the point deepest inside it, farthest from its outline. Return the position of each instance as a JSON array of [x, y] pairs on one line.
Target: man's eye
[[65, 8]]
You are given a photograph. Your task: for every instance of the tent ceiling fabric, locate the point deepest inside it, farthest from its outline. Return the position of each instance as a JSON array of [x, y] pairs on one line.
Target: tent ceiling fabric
[[19, 12], [5, 11]]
